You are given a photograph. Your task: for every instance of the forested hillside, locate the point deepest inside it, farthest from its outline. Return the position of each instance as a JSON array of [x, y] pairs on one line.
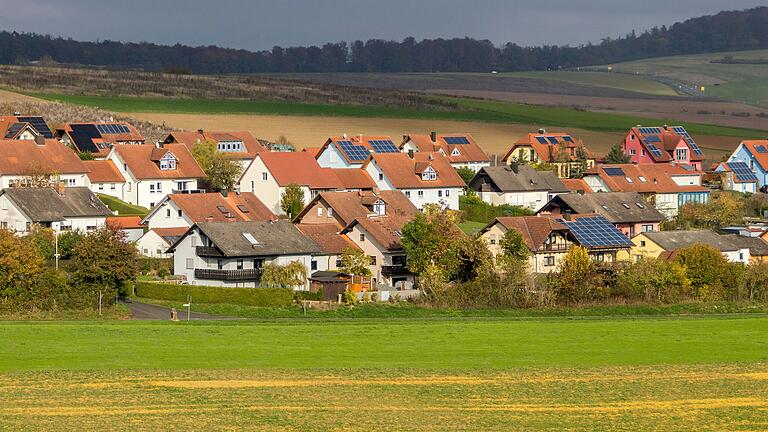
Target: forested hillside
[[725, 31]]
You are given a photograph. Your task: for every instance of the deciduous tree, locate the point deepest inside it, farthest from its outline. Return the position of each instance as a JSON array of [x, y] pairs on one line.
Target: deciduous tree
[[292, 200], [104, 260], [356, 262]]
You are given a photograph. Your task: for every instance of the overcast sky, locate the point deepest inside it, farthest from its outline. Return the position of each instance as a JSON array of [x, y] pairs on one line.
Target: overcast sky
[[258, 24]]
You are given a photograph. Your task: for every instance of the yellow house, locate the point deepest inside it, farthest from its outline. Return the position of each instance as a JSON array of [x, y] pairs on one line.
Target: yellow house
[[733, 247]]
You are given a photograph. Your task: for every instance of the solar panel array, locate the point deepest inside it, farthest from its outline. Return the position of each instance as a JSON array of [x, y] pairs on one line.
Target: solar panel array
[[456, 140], [13, 130], [652, 139], [761, 148], [383, 146], [541, 140], [687, 137], [649, 130], [595, 232], [742, 171], [614, 172], [353, 152], [39, 124], [105, 128], [654, 150], [83, 135], [568, 138]]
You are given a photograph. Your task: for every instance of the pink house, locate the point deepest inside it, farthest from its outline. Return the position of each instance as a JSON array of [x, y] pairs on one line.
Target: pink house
[[665, 144]]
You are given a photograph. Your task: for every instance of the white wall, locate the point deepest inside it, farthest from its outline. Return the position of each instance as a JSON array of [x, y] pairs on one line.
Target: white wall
[[331, 157], [159, 218], [111, 189], [153, 246], [70, 180], [474, 166], [596, 183], [268, 191], [137, 192], [449, 198], [12, 218], [372, 248], [667, 204]]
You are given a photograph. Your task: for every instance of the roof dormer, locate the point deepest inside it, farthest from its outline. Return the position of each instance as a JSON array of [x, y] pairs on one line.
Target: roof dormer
[[428, 173], [164, 158]]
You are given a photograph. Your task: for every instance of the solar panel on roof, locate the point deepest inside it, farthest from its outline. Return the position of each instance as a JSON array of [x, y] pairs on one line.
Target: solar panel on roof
[[456, 140], [552, 140], [541, 140], [383, 146], [652, 139], [568, 138], [742, 171], [39, 124], [83, 135], [761, 148], [354, 152], [654, 150], [597, 232], [614, 172]]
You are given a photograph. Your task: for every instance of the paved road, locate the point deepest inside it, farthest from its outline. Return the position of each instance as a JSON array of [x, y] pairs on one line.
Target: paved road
[[145, 311]]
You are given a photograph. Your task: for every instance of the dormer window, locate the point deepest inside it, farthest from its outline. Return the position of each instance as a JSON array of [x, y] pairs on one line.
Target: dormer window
[[380, 208], [230, 146], [455, 152], [429, 174], [168, 162]]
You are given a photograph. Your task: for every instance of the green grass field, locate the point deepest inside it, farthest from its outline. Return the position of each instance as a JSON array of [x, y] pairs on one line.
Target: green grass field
[[121, 207], [372, 374], [470, 110], [599, 79], [742, 82]]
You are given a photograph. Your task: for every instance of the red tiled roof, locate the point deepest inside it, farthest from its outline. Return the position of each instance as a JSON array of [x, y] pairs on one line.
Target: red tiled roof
[[658, 178], [350, 205], [577, 185], [20, 157], [170, 232], [139, 159], [358, 140], [467, 152], [668, 140], [124, 222], [548, 152], [404, 172], [103, 171], [299, 168], [251, 144], [354, 178], [204, 207], [327, 236], [534, 229], [762, 158]]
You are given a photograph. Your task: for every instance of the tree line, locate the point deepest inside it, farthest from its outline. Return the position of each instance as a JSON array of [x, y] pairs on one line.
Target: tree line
[[725, 31]]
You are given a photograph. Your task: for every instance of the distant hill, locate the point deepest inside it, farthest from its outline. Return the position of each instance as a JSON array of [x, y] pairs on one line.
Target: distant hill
[[725, 31]]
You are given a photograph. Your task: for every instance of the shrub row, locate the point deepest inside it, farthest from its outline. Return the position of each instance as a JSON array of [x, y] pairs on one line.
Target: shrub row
[[474, 209], [206, 294]]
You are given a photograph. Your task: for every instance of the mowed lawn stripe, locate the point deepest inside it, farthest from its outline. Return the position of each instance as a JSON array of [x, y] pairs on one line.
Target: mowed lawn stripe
[[434, 344]]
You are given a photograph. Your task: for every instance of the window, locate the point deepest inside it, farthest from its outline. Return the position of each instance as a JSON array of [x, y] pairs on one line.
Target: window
[[167, 213], [741, 256], [145, 251], [193, 241], [629, 180], [230, 146], [631, 137], [399, 260], [421, 194], [71, 182], [373, 260], [362, 237], [263, 176], [313, 265], [180, 213], [407, 194], [159, 187], [181, 186], [151, 205], [642, 243], [380, 208], [455, 152], [632, 152], [151, 188], [439, 194], [339, 263], [381, 176], [253, 186], [258, 263], [681, 154], [647, 228], [168, 162], [330, 212], [239, 264], [157, 251], [101, 186], [642, 152], [429, 174], [532, 155], [113, 186], [319, 212], [492, 240], [549, 261], [642, 179], [600, 257], [447, 193], [220, 264]]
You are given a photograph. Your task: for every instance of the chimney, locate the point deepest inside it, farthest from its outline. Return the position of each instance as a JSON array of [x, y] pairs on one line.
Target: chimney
[[345, 136], [40, 140], [542, 131], [433, 136], [666, 127], [431, 156], [200, 131], [16, 113], [655, 181], [224, 193], [209, 218], [360, 137], [514, 166], [60, 188]]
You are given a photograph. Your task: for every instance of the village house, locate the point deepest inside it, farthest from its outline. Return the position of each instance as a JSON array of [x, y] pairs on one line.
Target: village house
[[461, 149], [547, 239], [737, 176], [654, 244], [662, 145], [186, 209], [130, 226], [568, 155], [332, 245], [33, 162], [18, 127], [752, 155], [427, 178], [233, 254], [105, 178], [602, 240], [60, 208], [667, 187], [352, 151], [628, 211], [371, 221], [239, 145], [156, 241], [577, 185], [517, 185], [151, 173], [98, 138]]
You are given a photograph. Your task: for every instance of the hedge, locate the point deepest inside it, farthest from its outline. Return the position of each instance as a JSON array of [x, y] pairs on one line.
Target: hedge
[[206, 294]]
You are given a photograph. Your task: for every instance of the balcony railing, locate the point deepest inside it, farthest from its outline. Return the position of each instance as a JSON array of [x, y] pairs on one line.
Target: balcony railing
[[244, 275], [208, 251], [553, 247], [394, 270]]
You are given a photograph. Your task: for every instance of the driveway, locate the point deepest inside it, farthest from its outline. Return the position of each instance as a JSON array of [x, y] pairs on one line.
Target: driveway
[[145, 311]]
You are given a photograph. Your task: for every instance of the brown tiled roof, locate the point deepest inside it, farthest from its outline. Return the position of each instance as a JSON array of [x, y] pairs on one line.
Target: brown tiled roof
[[204, 207], [534, 229], [103, 171], [402, 172], [548, 152], [576, 185], [19, 157], [140, 162], [350, 205], [170, 235], [354, 178], [358, 140], [327, 236], [385, 230], [762, 158], [467, 152], [124, 222], [658, 178], [299, 168], [251, 144], [617, 207]]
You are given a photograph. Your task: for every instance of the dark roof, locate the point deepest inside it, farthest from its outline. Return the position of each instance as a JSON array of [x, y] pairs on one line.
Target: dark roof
[[596, 232], [46, 205], [674, 240], [617, 207], [38, 123], [274, 238], [523, 179], [757, 246], [329, 276]]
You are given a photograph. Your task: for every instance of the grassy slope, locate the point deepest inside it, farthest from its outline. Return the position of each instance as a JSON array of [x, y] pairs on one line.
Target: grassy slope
[[599, 79], [474, 110], [746, 83], [434, 344], [121, 207]]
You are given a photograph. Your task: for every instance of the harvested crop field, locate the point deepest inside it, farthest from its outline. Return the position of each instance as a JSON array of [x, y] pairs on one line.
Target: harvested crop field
[[626, 398]]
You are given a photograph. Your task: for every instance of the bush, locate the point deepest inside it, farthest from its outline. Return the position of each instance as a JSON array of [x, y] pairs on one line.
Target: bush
[[654, 281], [476, 210], [711, 275], [299, 296], [206, 294], [155, 265]]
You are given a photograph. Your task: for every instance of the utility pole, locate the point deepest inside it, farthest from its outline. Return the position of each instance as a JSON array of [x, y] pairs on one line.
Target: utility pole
[[56, 247]]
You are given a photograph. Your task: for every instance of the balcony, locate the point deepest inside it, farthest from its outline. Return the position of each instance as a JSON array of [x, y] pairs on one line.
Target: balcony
[[245, 275], [557, 247], [394, 270], [208, 251]]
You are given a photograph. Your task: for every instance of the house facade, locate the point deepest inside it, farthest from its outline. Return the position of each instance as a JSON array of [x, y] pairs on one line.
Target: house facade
[[754, 155], [182, 210], [60, 209], [664, 145], [105, 178], [156, 241], [653, 244], [461, 150], [352, 151], [737, 176], [239, 145], [98, 138], [33, 162], [518, 185], [568, 155]]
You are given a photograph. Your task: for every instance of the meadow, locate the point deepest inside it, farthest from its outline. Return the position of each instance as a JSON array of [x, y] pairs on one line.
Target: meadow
[[364, 374], [627, 82]]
